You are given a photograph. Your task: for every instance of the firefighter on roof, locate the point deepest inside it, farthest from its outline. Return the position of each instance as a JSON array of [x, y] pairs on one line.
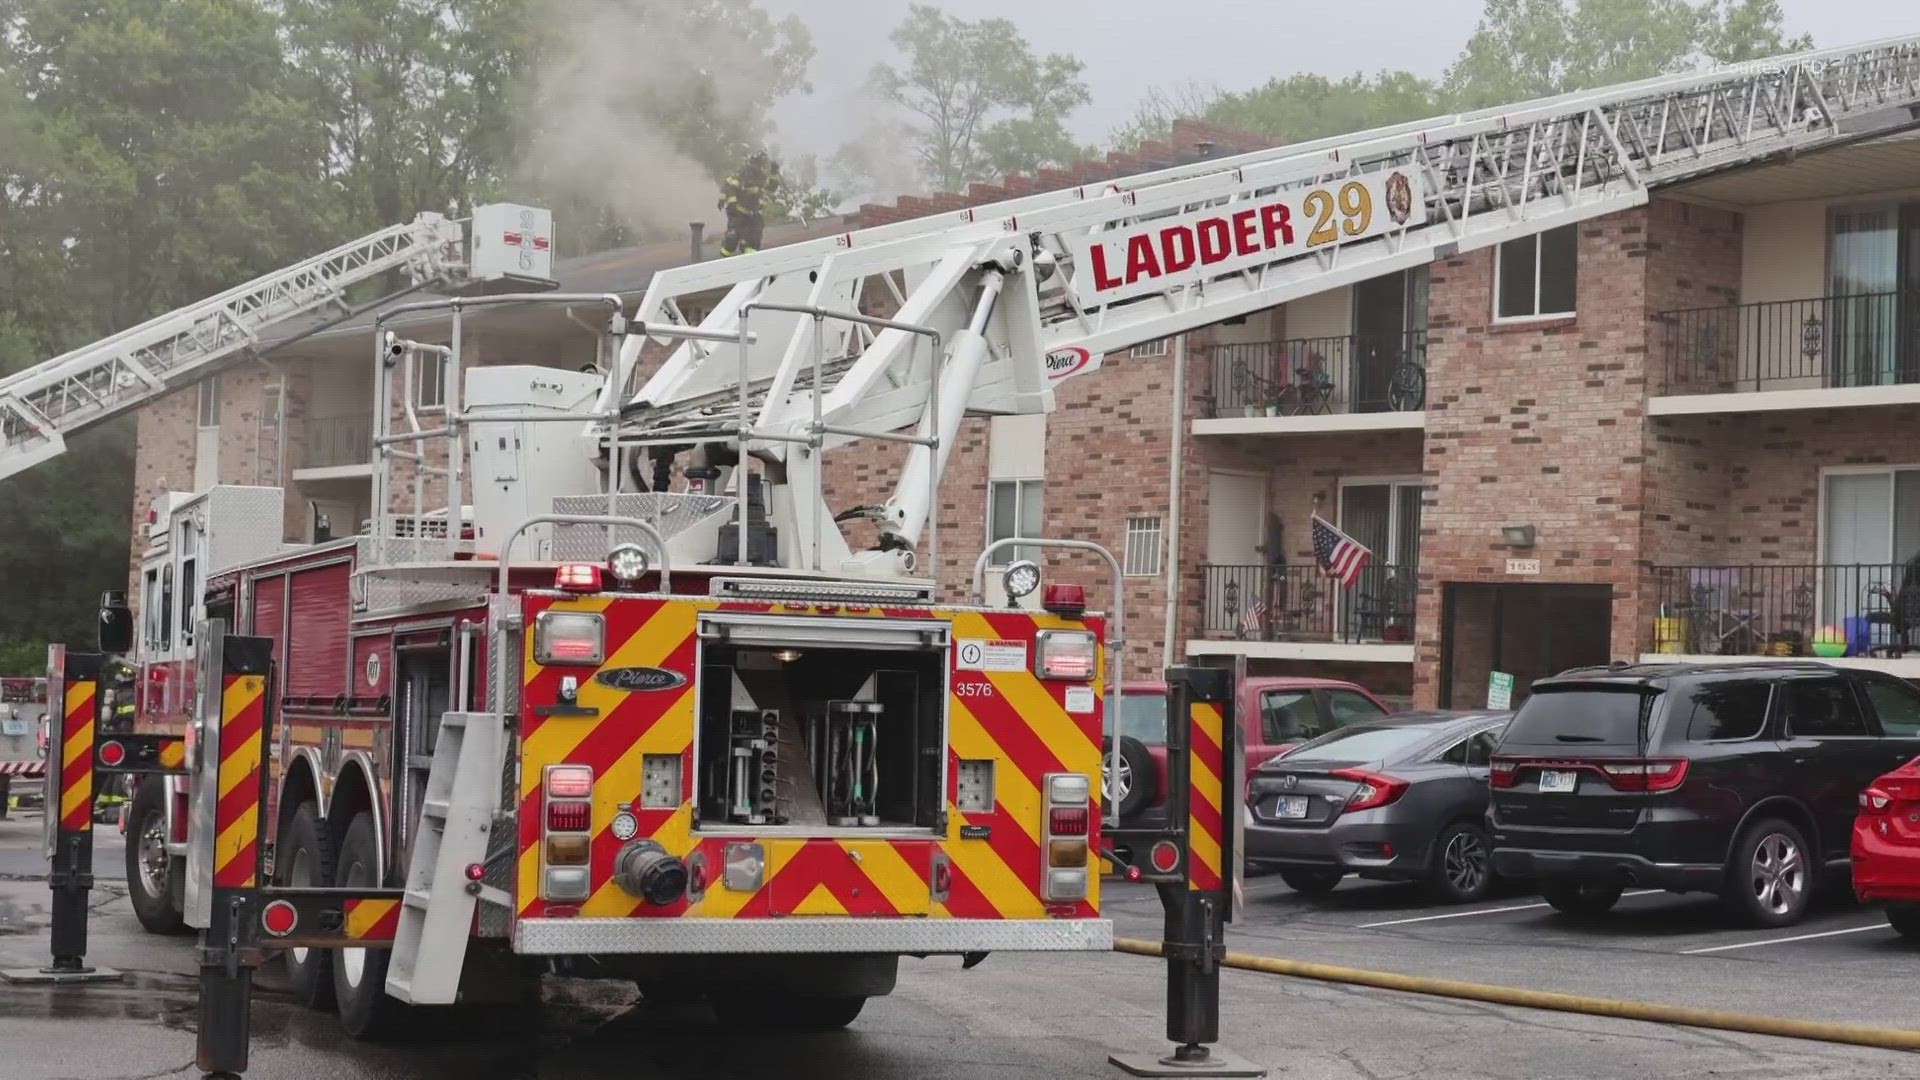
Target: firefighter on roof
[[743, 196]]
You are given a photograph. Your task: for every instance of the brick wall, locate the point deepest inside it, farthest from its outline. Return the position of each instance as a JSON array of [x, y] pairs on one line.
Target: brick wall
[[1537, 423]]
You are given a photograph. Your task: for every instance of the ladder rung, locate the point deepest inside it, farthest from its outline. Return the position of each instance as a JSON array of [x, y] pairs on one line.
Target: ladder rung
[[434, 808], [453, 720], [416, 898]]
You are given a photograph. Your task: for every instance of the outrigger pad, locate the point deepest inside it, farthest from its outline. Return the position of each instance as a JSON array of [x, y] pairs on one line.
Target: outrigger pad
[[1217, 1063], [45, 976]]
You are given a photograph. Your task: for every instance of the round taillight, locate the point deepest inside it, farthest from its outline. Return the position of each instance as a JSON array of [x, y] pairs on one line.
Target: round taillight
[[279, 918], [112, 754], [1165, 857]]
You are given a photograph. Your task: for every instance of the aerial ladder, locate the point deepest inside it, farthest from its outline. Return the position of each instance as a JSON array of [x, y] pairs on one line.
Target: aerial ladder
[[41, 406], [1022, 294]]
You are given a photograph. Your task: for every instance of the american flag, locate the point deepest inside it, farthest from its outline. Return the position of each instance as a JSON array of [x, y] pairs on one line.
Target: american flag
[[1339, 555], [1250, 622]]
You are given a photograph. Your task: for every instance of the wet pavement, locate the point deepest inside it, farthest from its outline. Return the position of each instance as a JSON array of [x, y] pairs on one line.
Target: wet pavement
[[1012, 1017]]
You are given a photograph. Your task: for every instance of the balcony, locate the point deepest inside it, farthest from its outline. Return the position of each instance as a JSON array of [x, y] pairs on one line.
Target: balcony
[[1294, 612], [1356, 382], [1859, 349], [1860, 614], [337, 448]]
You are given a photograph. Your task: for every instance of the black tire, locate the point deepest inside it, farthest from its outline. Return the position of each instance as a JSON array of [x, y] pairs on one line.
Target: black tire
[[1770, 875], [154, 880], [1905, 919], [783, 1013], [1462, 869], [1581, 900], [304, 861], [360, 975], [1311, 881], [1139, 778]]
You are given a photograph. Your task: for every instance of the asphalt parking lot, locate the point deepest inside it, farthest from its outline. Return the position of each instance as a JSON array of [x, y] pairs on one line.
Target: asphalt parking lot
[[1052, 1016]]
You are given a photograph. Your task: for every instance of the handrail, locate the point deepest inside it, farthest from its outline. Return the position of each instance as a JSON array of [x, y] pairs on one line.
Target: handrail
[[1116, 641]]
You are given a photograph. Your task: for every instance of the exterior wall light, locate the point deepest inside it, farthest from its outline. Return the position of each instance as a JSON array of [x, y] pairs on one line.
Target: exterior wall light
[[1518, 536]]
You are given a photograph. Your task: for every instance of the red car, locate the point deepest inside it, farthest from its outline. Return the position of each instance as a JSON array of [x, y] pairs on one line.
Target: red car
[[1276, 714], [1886, 847]]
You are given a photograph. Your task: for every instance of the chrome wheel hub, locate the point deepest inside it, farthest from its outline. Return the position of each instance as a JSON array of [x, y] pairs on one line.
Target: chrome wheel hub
[[153, 854], [1466, 862], [1779, 873]]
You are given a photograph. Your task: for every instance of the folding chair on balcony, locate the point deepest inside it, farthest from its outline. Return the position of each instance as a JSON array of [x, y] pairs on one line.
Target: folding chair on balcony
[[1311, 391], [1726, 617], [1385, 611], [1901, 613]]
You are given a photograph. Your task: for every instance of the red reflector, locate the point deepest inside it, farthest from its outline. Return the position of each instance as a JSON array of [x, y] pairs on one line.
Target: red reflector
[[569, 781], [1133, 873], [1065, 600], [569, 816], [112, 754], [577, 577], [1067, 821], [279, 918], [476, 871], [1165, 857]]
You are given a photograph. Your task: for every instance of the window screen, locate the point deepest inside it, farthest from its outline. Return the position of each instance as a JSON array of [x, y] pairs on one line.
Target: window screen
[[1143, 547]]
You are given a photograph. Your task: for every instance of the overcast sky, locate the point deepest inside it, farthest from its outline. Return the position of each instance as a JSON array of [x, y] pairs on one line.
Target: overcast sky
[[1129, 45]]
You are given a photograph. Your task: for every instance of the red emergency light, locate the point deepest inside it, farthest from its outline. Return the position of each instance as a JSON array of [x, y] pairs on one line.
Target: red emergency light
[[1066, 601], [112, 754], [577, 577], [279, 918]]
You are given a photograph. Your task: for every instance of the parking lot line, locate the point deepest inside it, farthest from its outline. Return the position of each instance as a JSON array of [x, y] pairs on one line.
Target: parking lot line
[[1785, 940], [1481, 911]]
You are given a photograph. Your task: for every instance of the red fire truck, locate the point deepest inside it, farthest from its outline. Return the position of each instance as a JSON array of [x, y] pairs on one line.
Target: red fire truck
[[23, 733]]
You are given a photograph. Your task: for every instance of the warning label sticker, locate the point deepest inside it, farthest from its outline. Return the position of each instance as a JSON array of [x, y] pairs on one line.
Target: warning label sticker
[[982, 654]]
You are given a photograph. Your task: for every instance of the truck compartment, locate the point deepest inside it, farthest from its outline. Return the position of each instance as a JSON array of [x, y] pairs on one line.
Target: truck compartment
[[814, 737]]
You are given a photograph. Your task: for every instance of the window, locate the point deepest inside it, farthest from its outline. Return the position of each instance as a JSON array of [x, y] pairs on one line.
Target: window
[[1534, 275], [1823, 708], [1288, 716], [210, 401], [166, 608], [1728, 710], [1144, 716], [1360, 744], [1151, 348], [1475, 749], [1143, 547], [187, 604], [1897, 706], [1348, 707], [1014, 509], [1581, 716], [429, 380]]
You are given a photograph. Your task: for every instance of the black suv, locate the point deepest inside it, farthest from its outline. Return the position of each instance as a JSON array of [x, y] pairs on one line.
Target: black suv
[[1739, 780]]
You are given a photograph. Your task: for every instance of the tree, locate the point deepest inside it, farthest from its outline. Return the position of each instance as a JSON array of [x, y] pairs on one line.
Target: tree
[[1533, 48], [983, 104], [163, 154], [1153, 116], [1303, 107]]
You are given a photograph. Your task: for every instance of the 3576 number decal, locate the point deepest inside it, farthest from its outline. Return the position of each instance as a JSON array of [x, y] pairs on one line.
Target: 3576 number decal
[[973, 689]]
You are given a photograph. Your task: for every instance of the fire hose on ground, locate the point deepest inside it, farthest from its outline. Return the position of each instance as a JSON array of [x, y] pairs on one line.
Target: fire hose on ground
[[1649, 1012]]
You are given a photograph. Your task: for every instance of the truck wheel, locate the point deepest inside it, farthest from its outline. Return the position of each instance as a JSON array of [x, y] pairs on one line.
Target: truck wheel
[[783, 1013], [152, 884], [302, 864], [360, 975]]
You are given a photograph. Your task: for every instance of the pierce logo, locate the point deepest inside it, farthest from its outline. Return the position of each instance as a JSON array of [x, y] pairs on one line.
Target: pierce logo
[[640, 678], [1068, 361]]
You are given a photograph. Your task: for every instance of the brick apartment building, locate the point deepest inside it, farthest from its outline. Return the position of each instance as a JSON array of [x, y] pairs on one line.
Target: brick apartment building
[[1679, 429]]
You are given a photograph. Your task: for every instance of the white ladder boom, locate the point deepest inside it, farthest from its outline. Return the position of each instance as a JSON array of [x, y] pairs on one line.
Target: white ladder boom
[[1462, 182], [42, 405]]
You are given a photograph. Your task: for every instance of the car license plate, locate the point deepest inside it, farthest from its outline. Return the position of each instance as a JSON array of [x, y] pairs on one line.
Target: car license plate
[[1292, 806], [1555, 782]]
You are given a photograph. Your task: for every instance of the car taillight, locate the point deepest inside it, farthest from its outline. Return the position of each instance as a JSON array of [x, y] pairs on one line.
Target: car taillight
[[1505, 773], [1066, 655], [1069, 817], [1651, 774], [1873, 801], [1374, 790], [569, 816]]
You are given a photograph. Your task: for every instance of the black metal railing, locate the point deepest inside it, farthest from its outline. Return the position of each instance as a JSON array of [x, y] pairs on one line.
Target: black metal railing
[[1870, 339], [1357, 373], [1298, 603], [1787, 610], [339, 440]]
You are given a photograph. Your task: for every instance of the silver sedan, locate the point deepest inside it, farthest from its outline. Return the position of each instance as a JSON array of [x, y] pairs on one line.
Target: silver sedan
[[1403, 798]]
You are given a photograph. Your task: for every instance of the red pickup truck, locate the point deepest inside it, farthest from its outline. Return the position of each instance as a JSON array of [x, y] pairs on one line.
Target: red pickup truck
[[1276, 714]]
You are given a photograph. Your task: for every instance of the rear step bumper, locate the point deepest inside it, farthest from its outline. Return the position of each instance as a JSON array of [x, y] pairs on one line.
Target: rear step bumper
[[1607, 868], [562, 937]]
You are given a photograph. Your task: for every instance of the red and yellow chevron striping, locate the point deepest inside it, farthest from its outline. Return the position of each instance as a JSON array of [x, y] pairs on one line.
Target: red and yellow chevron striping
[[173, 754], [372, 920], [994, 857], [236, 852], [76, 757], [1204, 872]]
